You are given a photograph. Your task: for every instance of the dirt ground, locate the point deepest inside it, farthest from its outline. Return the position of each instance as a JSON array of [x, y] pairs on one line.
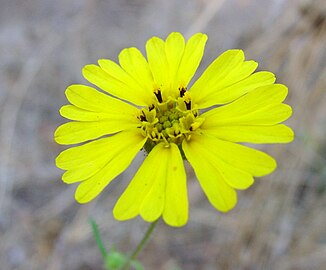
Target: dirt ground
[[279, 223]]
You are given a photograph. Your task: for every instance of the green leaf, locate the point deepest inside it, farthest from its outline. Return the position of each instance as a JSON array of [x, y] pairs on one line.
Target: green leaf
[[115, 260]]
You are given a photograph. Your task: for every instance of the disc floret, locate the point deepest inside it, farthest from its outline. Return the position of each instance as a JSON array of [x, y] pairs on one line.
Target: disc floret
[[169, 121]]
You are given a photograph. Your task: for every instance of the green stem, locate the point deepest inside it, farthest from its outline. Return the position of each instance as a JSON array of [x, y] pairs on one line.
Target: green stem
[[140, 246], [98, 239]]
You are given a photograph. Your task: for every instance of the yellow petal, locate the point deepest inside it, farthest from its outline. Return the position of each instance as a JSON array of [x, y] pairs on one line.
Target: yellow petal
[[193, 53], [234, 91], [176, 201], [250, 160], [215, 76], [129, 203], [88, 98], [159, 186], [220, 194], [174, 49], [253, 134], [259, 107], [135, 64], [83, 161], [102, 113], [234, 177], [227, 78], [120, 151], [117, 72], [158, 63], [230, 174], [153, 203], [74, 113], [77, 132], [108, 80]]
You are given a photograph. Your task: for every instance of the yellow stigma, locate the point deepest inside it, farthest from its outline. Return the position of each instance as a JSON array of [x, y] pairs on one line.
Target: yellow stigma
[[169, 121]]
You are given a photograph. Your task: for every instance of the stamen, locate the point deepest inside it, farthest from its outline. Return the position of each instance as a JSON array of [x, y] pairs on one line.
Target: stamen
[[158, 95], [182, 91], [187, 100], [142, 117], [188, 105], [171, 121]]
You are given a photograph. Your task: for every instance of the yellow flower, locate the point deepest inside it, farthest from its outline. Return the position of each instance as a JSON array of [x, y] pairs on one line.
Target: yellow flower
[[151, 105]]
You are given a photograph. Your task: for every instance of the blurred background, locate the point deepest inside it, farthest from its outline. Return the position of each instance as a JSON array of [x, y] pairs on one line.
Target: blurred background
[[279, 223]]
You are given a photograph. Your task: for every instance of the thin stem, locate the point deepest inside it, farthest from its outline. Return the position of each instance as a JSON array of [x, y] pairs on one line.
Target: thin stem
[[140, 246], [98, 239]]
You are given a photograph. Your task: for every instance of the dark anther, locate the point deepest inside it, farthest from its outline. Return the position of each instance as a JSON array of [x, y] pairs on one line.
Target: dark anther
[[182, 91], [188, 105], [142, 117], [158, 95], [190, 128], [176, 133], [151, 107]]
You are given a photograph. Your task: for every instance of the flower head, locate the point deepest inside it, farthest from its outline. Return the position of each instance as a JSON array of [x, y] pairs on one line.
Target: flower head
[[149, 104]]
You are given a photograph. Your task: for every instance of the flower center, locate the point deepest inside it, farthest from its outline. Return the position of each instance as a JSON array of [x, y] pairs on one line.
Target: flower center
[[169, 121]]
